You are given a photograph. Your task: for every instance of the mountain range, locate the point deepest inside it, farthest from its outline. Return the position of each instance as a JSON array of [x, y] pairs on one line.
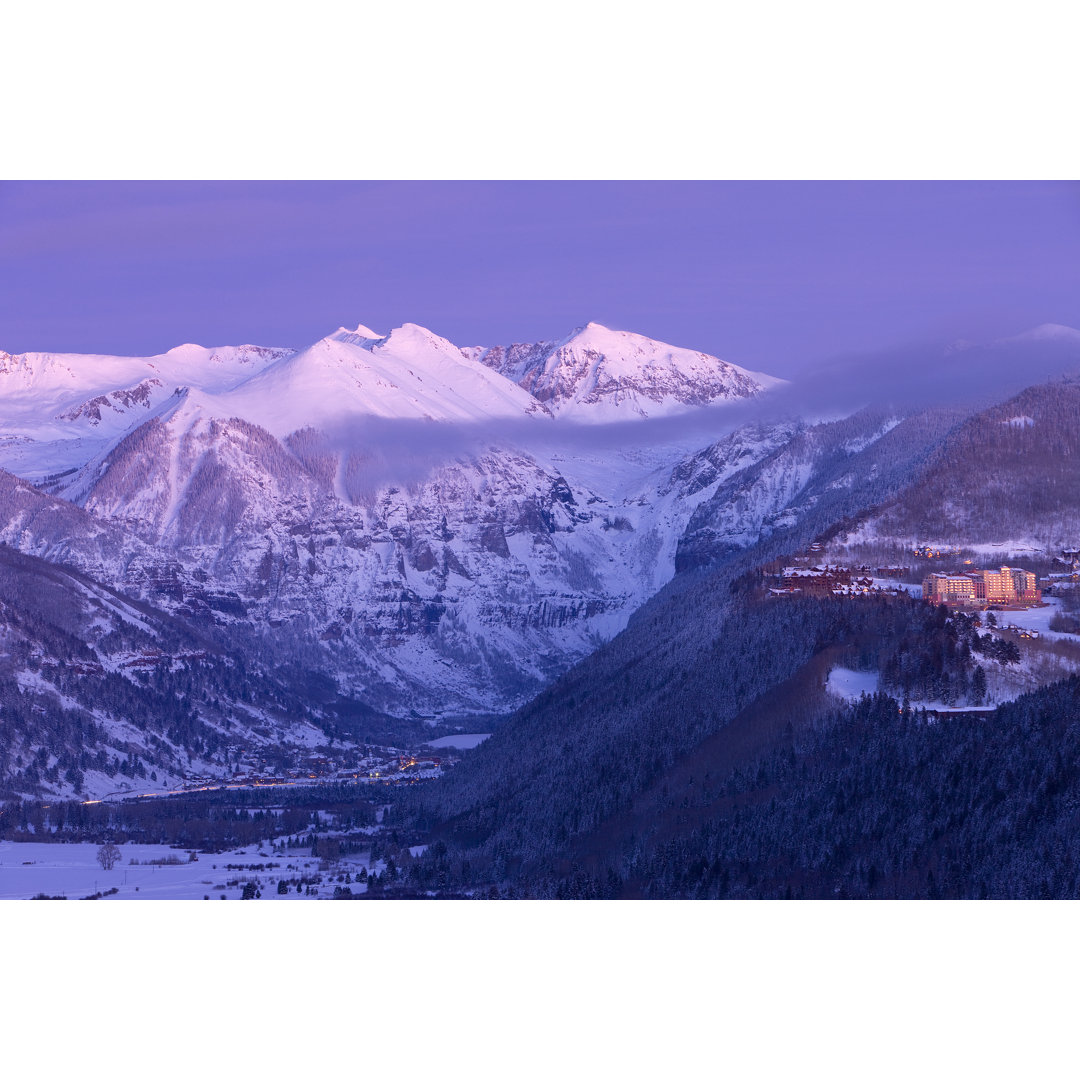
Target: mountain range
[[391, 534], [437, 530]]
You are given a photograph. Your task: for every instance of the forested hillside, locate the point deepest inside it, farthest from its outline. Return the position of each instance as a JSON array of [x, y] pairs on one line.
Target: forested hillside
[[98, 689], [579, 756], [1008, 473], [872, 802]]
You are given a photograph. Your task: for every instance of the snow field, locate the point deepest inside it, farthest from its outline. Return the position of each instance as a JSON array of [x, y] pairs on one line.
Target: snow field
[[458, 742], [73, 871], [851, 685]]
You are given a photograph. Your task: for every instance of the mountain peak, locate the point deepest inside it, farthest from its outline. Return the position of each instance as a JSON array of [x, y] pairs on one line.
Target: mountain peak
[[592, 330], [598, 374], [365, 332], [1044, 332], [1051, 331], [413, 335], [408, 374]]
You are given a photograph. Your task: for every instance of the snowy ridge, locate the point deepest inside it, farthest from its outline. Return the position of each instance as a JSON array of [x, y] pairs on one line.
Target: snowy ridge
[[409, 374], [61, 409], [596, 375], [31, 380], [1046, 332]]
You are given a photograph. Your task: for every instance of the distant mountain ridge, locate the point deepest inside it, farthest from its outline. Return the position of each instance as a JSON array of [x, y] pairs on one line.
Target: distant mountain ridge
[[596, 374], [62, 410], [59, 409]]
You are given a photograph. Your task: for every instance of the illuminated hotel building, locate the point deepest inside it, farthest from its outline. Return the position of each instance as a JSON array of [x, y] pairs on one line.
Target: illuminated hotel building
[[943, 587], [995, 586], [1009, 585]]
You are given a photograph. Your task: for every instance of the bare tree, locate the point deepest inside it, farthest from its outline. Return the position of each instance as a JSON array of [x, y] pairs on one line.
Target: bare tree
[[108, 855]]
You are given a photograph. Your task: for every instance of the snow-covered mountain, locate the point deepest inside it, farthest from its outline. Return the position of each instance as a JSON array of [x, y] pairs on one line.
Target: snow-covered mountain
[[596, 375], [422, 519], [60, 409], [466, 590], [409, 374], [101, 693]]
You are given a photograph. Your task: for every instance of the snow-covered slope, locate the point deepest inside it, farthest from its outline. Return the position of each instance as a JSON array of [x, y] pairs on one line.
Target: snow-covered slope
[[410, 373], [1006, 479], [808, 478], [596, 375], [464, 591], [102, 693]]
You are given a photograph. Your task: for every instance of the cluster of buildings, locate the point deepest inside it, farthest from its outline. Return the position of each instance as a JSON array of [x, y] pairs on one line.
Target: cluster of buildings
[[825, 581], [928, 551], [1010, 586]]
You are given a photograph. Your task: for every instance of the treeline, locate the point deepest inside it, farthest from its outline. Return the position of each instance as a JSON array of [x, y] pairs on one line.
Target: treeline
[[207, 821], [189, 709]]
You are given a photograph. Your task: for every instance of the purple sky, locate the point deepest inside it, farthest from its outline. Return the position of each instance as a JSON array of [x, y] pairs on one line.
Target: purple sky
[[767, 275]]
